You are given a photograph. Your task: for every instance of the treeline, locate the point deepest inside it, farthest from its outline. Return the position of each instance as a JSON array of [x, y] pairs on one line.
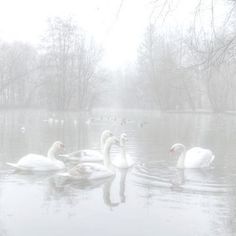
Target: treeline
[[192, 68], [61, 73]]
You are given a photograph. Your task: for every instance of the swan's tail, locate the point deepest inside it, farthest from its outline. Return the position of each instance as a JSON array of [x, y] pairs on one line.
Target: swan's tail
[[212, 158], [14, 165]]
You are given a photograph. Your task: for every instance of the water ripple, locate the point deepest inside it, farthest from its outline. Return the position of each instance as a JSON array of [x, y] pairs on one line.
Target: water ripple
[[160, 175]]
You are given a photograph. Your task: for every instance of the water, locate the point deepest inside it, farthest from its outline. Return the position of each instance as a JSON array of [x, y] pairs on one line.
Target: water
[[153, 198]]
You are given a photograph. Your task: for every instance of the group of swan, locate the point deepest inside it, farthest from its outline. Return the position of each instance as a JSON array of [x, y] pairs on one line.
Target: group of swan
[[93, 171], [86, 169]]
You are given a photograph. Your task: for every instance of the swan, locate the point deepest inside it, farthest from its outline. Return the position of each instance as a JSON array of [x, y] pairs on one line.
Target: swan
[[87, 155], [35, 162], [122, 161], [193, 158], [94, 171]]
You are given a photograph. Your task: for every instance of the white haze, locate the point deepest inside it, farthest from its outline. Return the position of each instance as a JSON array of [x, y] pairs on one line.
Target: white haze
[[117, 25]]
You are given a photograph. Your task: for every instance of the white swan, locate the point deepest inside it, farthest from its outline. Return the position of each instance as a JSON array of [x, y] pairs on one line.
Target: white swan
[[94, 171], [35, 162], [87, 155], [193, 158], [123, 160]]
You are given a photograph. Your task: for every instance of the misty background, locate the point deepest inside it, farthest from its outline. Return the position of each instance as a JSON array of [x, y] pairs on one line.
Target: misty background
[[71, 55], [161, 71]]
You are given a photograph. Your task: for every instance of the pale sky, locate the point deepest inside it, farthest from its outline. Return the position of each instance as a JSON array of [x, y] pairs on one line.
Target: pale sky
[[26, 20], [120, 35]]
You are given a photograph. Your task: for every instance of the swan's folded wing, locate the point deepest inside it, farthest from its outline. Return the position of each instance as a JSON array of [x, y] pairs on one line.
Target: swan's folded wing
[[91, 167], [91, 171], [36, 162], [85, 155], [15, 166], [198, 157], [76, 154]]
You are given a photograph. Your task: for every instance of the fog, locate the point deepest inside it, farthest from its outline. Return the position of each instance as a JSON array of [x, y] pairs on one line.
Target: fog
[[117, 117], [169, 55]]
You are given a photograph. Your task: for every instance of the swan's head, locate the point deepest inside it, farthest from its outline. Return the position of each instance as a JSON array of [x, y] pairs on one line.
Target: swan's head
[[58, 147], [113, 140], [177, 148], [123, 139], [107, 134]]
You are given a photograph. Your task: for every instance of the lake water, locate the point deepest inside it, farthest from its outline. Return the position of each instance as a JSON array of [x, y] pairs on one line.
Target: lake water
[[152, 198]]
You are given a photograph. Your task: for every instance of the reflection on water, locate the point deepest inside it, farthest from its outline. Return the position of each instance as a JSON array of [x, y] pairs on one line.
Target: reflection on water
[[152, 198]]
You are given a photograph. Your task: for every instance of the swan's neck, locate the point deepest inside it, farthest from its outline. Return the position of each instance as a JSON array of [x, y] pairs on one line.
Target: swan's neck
[[51, 154], [106, 154], [102, 142], [180, 162], [123, 155]]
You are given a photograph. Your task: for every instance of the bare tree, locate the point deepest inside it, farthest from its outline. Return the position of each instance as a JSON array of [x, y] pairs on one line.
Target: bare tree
[[18, 62], [70, 63]]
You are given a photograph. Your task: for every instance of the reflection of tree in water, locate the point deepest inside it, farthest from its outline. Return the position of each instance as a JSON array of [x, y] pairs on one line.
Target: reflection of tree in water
[[3, 214], [3, 231], [230, 199]]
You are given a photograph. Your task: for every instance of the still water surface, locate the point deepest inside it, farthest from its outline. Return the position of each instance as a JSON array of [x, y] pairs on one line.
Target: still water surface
[[152, 198]]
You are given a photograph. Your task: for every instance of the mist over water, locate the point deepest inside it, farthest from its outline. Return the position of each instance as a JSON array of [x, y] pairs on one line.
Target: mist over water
[[153, 197], [156, 72]]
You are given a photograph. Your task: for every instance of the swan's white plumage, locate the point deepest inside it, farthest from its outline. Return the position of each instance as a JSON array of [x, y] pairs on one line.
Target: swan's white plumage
[[85, 155], [35, 162], [196, 157], [123, 160], [120, 163]]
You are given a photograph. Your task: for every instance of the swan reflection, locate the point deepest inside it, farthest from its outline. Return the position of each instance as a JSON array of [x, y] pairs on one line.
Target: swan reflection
[[123, 176]]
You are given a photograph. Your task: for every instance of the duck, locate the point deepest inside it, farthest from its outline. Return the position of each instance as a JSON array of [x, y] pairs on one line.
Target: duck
[[90, 120], [196, 157], [36, 162], [94, 171], [123, 160], [88, 155], [22, 129]]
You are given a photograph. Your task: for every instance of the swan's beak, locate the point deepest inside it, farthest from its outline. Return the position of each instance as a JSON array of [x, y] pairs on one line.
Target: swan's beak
[[117, 142], [62, 147], [172, 150]]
